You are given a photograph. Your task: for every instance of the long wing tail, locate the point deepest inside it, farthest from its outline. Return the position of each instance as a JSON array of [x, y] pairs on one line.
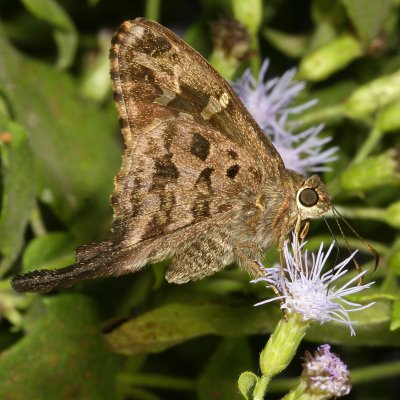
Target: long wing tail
[[95, 260]]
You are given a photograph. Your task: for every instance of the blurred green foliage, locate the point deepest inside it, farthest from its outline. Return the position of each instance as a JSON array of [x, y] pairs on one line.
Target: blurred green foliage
[[60, 149]]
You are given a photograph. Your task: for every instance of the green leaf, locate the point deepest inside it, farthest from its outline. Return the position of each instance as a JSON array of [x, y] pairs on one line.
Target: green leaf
[[63, 356], [394, 258], [368, 17], [249, 13], [64, 31], [96, 82], [395, 324], [290, 45], [52, 250], [218, 380], [372, 173], [330, 58], [18, 191], [72, 140], [373, 96], [247, 381], [373, 319], [176, 323]]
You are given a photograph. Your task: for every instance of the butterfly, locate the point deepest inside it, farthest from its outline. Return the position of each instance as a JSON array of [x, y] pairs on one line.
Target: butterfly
[[200, 183]]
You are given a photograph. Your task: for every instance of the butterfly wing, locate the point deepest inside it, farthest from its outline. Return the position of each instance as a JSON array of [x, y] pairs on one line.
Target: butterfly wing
[[157, 77], [193, 166], [182, 174]]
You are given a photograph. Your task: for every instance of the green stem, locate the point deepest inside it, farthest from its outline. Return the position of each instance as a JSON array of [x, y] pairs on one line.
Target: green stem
[[368, 145], [261, 388], [376, 372], [37, 224], [325, 115], [280, 350], [152, 9], [255, 61], [297, 392], [137, 393], [157, 381]]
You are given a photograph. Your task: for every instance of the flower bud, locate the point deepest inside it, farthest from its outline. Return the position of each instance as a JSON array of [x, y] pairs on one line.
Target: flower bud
[[393, 261], [231, 43], [96, 81], [330, 58], [388, 119], [283, 344], [392, 216], [374, 95], [373, 172], [249, 13], [325, 374]]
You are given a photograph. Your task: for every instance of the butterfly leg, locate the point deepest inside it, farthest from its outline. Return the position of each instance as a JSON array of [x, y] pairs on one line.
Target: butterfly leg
[[248, 256]]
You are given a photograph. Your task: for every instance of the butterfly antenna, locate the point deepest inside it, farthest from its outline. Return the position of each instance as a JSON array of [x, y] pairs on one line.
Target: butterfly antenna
[[334, 239], [356, 264], [369, 247]]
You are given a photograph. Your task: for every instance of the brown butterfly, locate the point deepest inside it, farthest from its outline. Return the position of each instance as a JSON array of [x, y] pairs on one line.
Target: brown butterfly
[[200, 183]]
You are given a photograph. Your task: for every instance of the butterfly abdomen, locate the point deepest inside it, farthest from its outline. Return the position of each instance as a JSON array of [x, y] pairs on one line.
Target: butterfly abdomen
[[94, 260], [45, 280]]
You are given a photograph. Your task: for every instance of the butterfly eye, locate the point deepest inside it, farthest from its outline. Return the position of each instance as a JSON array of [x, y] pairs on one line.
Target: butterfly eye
[[308, 197]]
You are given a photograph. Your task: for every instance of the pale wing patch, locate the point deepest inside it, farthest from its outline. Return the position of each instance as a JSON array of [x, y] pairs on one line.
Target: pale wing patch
[[215, 106], [136, 30], [166, 97], [224, 100], [186, 115]]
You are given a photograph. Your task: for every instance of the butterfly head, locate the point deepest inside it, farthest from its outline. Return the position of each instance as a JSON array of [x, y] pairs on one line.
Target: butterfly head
[[312, 198]]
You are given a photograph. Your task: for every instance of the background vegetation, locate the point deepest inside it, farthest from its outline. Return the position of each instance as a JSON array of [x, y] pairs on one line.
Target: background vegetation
[[137, 337]]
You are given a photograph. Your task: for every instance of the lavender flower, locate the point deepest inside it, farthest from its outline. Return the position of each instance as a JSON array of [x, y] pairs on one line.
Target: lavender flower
[[306, 291], [325, 374], [269, 104]]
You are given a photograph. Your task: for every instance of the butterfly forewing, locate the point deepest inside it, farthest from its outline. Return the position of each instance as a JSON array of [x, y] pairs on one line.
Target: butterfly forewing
[[156, 77]]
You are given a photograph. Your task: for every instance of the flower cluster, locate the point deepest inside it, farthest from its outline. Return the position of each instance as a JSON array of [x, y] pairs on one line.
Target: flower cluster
[[304, 288], [325, 374], [269, 103]]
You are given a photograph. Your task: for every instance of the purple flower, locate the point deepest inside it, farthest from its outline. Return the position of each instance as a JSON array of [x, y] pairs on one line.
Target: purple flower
[[305, 290], [325, 374], [269, 103]]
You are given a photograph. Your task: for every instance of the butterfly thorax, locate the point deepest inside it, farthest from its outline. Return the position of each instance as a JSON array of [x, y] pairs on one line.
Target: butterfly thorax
[[282, 203]]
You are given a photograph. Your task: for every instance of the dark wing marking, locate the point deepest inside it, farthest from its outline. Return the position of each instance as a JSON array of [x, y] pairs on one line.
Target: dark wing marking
[[156, 76], [172, 184]]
